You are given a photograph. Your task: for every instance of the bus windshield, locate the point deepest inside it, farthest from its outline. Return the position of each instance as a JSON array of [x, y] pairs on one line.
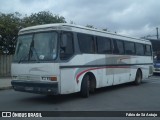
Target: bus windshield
[[36, 47]]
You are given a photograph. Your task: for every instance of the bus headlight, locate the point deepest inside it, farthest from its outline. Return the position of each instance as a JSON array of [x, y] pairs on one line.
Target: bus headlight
[[52, 78]]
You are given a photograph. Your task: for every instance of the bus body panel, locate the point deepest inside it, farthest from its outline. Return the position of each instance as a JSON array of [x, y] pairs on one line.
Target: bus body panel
[[26, 74], [41, 69], [106, 71]]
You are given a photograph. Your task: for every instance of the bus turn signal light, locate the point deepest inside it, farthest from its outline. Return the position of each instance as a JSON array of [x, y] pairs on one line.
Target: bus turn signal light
[[53, 78]]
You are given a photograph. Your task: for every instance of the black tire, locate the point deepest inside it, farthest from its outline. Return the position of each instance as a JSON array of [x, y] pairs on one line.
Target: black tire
[[85, 86], [92, 86], [138, 78]]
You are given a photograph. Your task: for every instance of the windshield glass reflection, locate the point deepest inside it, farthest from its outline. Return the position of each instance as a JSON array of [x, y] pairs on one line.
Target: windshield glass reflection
[[36, 47]]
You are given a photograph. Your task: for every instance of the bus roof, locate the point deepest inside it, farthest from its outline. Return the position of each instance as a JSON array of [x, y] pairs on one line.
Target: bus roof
[[71, 27]]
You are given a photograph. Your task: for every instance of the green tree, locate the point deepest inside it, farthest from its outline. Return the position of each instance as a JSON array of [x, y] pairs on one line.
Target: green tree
[[9, 27], [11, 23], [44, 17]]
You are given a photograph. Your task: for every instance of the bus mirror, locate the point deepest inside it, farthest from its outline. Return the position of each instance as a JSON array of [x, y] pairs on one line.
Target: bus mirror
[[64, 41], [0, 37]]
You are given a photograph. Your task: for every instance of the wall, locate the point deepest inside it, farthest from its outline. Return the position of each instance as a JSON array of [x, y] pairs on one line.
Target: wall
[[5, 65]]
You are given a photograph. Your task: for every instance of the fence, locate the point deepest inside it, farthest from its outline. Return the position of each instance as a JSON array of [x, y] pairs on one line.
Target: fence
[[5, 65]]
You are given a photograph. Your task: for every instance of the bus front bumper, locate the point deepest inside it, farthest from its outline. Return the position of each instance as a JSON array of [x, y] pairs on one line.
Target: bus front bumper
[[38, 87]]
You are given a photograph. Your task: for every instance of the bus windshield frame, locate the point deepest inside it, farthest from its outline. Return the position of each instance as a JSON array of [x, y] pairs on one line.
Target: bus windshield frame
[[36, 47]]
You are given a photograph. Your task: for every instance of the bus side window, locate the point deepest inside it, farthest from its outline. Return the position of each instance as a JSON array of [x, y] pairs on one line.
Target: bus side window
[[86, 43], [129, 48], [148, 50], [104, 45], [139, 49], [66, 46], [115, 50], [118, 47]]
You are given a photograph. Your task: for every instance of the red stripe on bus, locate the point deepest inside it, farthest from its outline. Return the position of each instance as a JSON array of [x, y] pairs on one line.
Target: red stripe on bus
[[97, 69]]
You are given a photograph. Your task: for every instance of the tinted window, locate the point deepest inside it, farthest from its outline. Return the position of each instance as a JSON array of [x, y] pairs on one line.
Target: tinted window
[[66, 46], [118, 47], [86, 43], [129, 48], [103, 45], [148, 50], [155, 45], [139, 49]]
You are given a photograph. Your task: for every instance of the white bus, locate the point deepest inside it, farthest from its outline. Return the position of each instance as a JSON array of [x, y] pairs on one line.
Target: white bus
[[62, 58]]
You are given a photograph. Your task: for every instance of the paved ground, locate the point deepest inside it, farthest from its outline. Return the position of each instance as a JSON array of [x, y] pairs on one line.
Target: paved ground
[[5, 83], [145, 97]]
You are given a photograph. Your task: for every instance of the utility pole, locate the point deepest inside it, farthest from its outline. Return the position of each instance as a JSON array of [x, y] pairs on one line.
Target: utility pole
[[157, 33]]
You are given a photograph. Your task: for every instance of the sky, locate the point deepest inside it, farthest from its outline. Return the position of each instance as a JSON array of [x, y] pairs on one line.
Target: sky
[[135, 18]]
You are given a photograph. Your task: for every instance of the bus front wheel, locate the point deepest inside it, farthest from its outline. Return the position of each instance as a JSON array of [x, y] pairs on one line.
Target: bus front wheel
[[85, 86]]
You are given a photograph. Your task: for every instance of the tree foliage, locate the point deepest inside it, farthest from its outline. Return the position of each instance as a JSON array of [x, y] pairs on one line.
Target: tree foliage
[[11, 23], [9, 27], [42, 18]]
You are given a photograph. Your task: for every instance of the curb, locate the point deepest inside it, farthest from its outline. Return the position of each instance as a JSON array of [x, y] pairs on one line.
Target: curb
[[6, 88]]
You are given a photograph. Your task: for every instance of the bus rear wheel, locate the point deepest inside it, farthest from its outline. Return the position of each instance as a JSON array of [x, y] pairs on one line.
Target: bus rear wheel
[[138, 78], [85, 86]]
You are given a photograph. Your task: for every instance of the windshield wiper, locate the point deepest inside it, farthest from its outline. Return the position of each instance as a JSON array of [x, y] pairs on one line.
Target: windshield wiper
[[33, 50]]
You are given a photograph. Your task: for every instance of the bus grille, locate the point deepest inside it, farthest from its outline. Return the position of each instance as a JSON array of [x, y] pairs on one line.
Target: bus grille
[[29, 77]]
